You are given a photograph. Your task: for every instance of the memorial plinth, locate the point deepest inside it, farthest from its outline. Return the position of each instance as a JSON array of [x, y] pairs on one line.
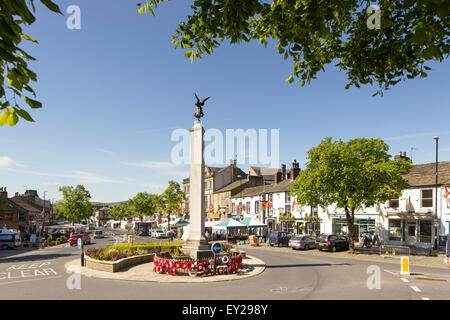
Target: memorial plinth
[[196, 244]]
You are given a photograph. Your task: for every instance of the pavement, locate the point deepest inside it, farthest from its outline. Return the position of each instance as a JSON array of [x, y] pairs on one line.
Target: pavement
[[414, 260], [144, 272]]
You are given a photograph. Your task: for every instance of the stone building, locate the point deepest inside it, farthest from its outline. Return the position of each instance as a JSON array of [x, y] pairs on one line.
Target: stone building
[[17, 214]]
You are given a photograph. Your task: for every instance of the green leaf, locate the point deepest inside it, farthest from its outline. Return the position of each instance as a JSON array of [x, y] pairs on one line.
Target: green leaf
[[51, 5], [290, 79], [4, 117], [25, 115], [28, 38], [32, 103]]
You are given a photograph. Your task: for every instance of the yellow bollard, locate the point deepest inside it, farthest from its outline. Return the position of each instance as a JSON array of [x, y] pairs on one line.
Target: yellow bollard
[[404, 266]]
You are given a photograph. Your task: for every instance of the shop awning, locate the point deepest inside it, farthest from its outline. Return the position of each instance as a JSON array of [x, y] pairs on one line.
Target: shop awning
[[252, 223], [229, 223]]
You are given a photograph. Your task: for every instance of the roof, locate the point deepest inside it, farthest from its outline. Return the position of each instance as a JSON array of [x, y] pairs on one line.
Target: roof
[[425, 174], [24, 204], [229, 223], [262, 171], [253, 191], [250, 222], [233, 185], [282, 186]]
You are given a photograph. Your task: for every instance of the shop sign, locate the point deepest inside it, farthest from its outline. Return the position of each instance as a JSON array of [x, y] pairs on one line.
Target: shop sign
[[6, 217]]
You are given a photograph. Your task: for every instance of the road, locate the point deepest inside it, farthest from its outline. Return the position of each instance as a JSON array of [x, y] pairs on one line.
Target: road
[[40, 274]]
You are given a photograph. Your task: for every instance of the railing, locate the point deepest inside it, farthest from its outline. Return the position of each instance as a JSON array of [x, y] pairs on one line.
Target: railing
[[394, 251]]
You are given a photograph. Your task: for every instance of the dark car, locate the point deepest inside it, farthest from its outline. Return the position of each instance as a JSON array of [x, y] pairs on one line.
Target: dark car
[[73, 240], [278, 238], [332, 242], [303, 242], [58, 233]]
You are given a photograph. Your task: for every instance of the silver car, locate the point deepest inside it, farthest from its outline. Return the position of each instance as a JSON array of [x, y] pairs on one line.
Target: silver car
[[302, 242]]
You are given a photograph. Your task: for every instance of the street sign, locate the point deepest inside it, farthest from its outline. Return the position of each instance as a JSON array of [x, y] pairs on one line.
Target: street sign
[[404, 266], [216, 248], [79, 243]]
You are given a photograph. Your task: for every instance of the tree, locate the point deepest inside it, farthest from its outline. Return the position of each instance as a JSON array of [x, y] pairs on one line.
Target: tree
[[142, 205], [315, 33], [75, 204], [14, 61], [120, 211], [171, 199], [350, 174], [158, 203]]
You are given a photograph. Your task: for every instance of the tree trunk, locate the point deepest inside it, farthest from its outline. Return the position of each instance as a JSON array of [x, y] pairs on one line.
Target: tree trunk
[[350, 225]]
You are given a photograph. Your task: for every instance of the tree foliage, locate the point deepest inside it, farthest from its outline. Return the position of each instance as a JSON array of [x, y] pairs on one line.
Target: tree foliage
[[350, 175], [172, 198], [120, 211], [75, 204], [142, 205], [315, 33], [15, 76]]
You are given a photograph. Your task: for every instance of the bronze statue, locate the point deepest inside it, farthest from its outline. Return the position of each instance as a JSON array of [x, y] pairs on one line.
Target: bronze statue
[[199, 110]]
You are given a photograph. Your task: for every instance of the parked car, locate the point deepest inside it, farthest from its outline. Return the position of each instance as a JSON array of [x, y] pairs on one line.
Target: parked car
[[332, 242], [98, 234], [91, 226], [158, 233], [303, 242], [58, 233], [73, 240], [279, 238]]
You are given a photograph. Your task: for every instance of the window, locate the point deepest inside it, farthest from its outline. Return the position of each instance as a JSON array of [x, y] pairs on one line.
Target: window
[[247, 210], [425, 231], [395, 230], [257, 206], [270, 197], [427, 198], [287, 208], [287, 196], [393, 203], [21, 216]]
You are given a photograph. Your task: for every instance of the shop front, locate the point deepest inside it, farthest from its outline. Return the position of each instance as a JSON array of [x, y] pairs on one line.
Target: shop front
[[362, 225], [410, 229]]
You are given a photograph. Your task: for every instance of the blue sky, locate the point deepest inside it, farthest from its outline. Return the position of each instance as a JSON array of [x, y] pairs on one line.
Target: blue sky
[[114, 91]]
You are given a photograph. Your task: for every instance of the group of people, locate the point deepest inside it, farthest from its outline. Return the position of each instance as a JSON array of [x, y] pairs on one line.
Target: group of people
[[367, 242]]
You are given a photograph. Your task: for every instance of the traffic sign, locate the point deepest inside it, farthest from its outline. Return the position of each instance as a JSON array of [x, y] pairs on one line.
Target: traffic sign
[[79, 243], [404, 269], [216, 248]]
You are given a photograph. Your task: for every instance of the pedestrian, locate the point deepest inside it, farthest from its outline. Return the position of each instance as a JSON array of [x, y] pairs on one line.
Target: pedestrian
[[207, 235]]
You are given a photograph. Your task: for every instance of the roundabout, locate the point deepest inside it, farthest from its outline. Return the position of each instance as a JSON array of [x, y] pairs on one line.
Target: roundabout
[[251, 266]]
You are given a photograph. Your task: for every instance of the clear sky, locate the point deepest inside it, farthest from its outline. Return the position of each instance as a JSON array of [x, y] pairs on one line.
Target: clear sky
[[114, 91]]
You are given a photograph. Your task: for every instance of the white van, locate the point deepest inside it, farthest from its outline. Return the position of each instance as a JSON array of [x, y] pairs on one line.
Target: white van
[[9, 239]]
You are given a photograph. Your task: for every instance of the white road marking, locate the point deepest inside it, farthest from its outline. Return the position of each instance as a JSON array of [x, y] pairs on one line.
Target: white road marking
[[404, 280], [425, 298], [30, 280], [391, 272], [415, 289]]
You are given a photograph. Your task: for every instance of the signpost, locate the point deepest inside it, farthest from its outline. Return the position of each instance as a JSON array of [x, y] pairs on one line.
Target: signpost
[[81, 246], [404, 265], [216, 248]]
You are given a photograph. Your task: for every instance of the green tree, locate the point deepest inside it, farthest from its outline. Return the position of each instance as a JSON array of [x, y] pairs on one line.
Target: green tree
[[158, 203], [315, 33], [142, 205], [15, 76], [350, 174], [171, 199], [120, 211], [75, 204]]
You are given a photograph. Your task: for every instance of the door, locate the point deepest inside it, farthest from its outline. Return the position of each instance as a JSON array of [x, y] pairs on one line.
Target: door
[[411, 232]]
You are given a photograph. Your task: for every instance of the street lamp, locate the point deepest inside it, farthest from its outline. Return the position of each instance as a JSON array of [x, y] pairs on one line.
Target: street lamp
[[436, 138], [240, 187]]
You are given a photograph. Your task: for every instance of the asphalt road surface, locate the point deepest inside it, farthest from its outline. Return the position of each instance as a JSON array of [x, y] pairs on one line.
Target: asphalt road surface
[[40, 274]]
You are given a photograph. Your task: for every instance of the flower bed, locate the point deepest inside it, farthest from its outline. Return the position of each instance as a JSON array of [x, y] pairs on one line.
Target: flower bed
[[126, 250], [174, 266]]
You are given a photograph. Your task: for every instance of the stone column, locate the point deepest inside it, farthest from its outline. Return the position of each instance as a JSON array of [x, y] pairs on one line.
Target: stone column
[[196, 244]]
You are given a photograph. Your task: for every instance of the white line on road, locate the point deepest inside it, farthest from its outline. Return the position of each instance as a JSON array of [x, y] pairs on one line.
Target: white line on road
[[30, 280], [425, 298], [415, 289], [404, 280]]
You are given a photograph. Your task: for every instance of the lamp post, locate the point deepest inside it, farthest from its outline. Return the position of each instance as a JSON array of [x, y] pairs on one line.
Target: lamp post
[[436, 138], [242, 200]]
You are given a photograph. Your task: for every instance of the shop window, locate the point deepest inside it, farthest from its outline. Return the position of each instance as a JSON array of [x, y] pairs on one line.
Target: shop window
[[425, 231], [395, 230], [427, 198], [287, 208]]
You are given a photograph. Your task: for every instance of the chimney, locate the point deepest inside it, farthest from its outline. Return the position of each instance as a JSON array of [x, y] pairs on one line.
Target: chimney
[[278, 177], [295, 170], [233, 163], [401, 155], [283, 172], [3, 193]]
